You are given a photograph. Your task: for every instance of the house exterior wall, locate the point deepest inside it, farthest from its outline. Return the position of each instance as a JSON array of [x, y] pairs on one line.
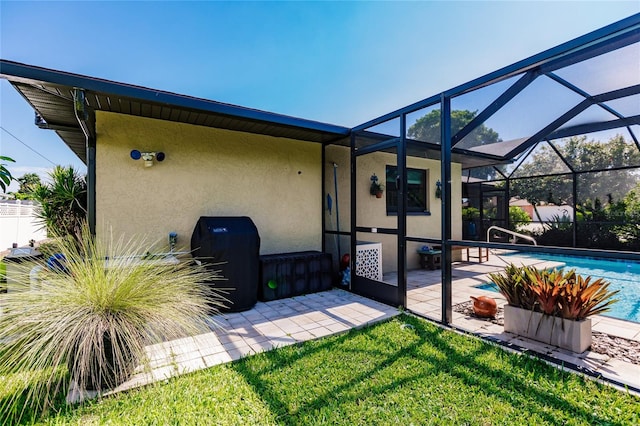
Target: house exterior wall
[[275, 181], [372, 211], [207, 172]]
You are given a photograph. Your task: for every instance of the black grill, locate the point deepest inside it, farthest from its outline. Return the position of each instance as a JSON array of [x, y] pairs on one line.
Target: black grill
[[231, 245]]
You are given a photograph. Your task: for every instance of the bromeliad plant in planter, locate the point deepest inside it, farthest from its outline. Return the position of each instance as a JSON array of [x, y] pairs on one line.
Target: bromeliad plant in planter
[[552, 306], [90, 316]]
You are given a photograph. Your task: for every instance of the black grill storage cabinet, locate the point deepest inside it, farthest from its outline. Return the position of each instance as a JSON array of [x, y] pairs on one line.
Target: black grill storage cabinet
[[292, 274], [231, 245]]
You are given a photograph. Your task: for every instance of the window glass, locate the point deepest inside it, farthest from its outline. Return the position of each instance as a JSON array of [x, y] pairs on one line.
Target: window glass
[[416, 190]]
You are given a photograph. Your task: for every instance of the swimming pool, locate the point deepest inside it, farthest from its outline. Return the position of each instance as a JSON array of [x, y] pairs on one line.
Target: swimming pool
[[623, 276]]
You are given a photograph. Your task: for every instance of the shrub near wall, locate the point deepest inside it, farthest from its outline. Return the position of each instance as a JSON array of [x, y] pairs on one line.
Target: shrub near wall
[[92, 313]]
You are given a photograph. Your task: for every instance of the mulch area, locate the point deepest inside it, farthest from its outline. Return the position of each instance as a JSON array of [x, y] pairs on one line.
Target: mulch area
[[615, 347]]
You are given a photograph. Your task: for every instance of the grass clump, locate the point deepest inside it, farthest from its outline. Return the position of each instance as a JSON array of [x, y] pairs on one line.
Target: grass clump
[[386, 374], [90, 317], [3, 276]]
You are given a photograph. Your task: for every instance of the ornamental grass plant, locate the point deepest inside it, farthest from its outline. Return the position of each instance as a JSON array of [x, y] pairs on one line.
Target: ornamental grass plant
[[89, 316]]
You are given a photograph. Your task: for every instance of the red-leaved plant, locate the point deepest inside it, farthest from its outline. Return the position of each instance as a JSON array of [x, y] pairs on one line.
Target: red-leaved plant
[[547, 287], [580, 297], [554, 292]]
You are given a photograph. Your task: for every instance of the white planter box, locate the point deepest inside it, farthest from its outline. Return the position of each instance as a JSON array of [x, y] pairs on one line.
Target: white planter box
[[567, 334]]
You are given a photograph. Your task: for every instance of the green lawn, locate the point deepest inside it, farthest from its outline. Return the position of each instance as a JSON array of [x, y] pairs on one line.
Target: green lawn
[[386, 374], [3, 276]]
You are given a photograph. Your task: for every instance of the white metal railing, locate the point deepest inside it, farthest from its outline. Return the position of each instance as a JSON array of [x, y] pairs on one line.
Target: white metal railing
[[513, 233]]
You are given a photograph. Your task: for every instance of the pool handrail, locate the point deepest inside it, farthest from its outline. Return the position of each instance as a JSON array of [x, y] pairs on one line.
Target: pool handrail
[[510, 232]]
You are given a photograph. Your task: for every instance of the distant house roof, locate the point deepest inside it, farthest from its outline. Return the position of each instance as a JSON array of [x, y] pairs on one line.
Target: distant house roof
[[518, 202], [50, 93]]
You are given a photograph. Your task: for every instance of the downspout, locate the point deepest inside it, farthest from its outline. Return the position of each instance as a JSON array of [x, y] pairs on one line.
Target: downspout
[[86, 120], [352, 230], [322, 192]]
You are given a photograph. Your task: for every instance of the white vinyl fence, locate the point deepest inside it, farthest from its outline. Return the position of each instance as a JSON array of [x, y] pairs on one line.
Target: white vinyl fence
[[18, 223]]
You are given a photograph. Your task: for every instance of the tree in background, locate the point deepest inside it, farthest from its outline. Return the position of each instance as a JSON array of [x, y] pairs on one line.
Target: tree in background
[[518, 218], [28, 183], [5, 174], [582, 155], [631, 229], [624, 214], [427, 129], [63, 202]]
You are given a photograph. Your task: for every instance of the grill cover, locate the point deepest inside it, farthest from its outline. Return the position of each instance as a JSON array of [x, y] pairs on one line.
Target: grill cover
[[233, 245]]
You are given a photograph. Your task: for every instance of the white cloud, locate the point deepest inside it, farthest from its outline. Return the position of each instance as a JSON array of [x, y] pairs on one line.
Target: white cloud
[[19, 171]]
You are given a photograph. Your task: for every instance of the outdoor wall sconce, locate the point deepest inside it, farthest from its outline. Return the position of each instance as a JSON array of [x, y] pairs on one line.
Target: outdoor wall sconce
[[147, 156], [438, 189]]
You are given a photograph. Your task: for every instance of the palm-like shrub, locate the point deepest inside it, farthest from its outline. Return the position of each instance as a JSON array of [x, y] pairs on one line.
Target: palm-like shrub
[[63, 202], [580, 298], [5, 174], [546, 285], [94, 316]]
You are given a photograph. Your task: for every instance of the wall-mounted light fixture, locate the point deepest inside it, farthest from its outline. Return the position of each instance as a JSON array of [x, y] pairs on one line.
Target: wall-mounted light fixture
[[438, 189], [147, 157]]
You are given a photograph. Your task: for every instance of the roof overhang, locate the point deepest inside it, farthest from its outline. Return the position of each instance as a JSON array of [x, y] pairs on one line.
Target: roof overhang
[[51, 94]]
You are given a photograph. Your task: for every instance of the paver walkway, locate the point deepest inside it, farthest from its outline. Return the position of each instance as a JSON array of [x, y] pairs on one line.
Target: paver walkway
[[266, 326]]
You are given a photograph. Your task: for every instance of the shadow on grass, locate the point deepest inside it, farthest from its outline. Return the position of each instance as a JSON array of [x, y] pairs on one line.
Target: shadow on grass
[[527, 385]]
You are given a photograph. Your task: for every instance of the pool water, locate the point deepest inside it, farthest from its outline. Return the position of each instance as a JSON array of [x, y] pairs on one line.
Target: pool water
[[489, 286], [623, 276]]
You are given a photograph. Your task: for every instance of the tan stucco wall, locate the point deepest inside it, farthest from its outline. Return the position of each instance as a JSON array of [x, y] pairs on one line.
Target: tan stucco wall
[[372, 211], [275, 181], [339, 155], [207, 172]]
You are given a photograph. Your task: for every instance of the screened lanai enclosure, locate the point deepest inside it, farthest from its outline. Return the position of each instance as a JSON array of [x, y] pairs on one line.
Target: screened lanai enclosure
[[540, 157]]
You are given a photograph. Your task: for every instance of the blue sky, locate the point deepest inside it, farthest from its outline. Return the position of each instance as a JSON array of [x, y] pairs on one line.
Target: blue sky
[[337, 62]]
